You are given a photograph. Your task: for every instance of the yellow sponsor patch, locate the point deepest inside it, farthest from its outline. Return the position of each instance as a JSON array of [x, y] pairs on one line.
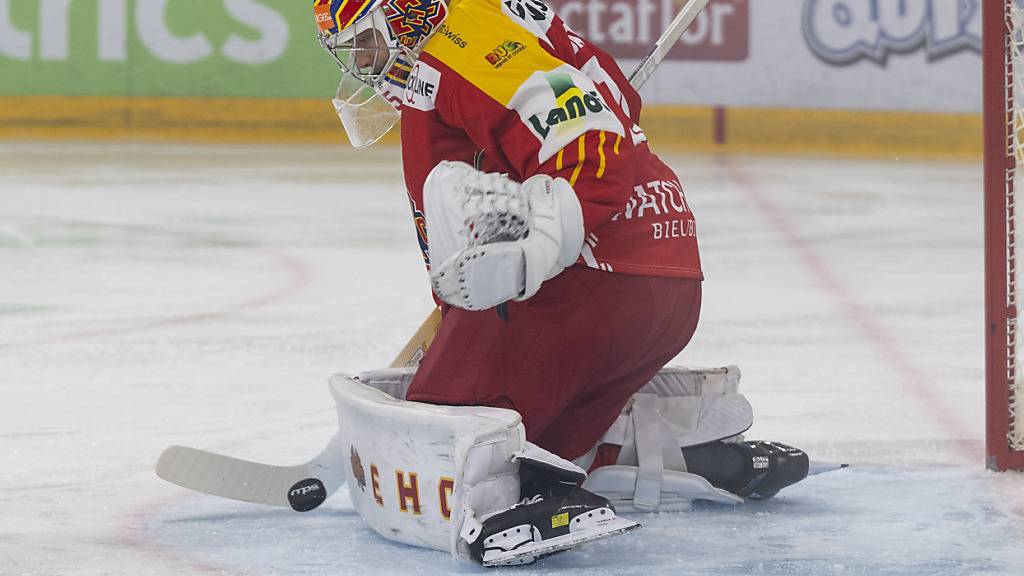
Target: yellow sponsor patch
[[479, 42], [560, 520]]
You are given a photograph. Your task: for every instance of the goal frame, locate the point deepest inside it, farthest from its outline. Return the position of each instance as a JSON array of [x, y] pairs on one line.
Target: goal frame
[[1000, 251]]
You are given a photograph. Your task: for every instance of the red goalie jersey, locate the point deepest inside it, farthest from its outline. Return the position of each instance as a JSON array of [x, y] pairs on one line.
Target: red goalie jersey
[[505, 85]]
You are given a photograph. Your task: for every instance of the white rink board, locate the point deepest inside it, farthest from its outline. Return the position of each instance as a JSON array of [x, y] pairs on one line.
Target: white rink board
[[922, 55]]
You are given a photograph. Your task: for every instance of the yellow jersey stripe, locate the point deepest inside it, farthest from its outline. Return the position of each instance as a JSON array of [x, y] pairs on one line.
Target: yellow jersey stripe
[[558, 159], [583, 156], [618, 138], [600, 154]]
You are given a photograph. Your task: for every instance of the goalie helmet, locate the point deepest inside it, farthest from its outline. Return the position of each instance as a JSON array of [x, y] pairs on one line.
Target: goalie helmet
[[375, 43]]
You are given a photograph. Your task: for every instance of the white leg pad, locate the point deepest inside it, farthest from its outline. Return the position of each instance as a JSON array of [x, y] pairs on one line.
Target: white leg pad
[[425, 474], [419, 472], [680, 407]]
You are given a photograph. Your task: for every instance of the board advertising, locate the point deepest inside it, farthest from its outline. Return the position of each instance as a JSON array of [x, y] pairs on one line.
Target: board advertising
[[848, 54]]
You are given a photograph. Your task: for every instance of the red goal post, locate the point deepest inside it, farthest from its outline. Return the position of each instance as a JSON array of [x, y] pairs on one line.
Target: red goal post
[[1004, 130]]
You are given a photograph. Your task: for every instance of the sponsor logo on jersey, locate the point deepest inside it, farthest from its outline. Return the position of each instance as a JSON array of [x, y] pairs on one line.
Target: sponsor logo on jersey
[[571, 103], [663, 204], [504, 52], [529, 9], [452, 36], [421, 87]]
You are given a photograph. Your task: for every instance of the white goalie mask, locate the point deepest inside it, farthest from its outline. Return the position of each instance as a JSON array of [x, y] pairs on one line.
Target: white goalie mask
[[375, 43]]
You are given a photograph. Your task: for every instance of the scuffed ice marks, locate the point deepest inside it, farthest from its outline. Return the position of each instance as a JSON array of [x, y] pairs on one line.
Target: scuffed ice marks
[[870, 521]]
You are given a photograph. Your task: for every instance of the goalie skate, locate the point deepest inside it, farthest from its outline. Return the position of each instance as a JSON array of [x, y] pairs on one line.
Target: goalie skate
[[543, 525], [768, 468]]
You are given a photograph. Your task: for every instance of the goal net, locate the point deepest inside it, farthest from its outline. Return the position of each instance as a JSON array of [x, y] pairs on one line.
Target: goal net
[[1003, 75]]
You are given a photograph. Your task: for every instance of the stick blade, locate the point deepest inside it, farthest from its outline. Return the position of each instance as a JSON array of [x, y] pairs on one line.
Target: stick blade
[[234, 478]]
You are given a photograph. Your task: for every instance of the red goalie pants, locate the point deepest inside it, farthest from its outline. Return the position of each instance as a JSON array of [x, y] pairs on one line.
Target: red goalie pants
[[567, 359]]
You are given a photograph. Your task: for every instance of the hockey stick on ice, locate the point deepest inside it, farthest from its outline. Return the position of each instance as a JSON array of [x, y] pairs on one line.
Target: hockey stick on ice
[[687, 14], [302, 486]]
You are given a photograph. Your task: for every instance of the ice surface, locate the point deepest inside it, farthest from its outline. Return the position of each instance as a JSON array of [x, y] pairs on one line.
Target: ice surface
[[202, 295]]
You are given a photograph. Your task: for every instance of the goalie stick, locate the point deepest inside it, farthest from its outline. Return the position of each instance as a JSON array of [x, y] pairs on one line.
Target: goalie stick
[[687, 14], [304, 486]]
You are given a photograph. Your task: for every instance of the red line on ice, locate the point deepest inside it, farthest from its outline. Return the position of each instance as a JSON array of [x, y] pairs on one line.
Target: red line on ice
[[297, 277], [914, 381]]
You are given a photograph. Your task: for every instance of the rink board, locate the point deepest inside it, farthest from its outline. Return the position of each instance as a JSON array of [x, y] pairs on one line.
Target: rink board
[[683, 128]]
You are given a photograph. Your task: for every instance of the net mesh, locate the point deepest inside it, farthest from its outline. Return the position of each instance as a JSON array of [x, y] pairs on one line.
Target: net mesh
[[1015, 143]]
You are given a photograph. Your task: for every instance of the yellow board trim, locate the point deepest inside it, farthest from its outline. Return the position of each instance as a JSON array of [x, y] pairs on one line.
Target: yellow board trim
[[312, 120], [251, 120], [862, 133]]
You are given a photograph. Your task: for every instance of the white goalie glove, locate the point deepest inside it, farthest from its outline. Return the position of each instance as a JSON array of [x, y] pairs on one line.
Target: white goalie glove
[[493, 239]]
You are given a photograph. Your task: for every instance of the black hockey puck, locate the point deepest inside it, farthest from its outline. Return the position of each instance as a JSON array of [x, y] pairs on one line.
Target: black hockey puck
[[307, 494]]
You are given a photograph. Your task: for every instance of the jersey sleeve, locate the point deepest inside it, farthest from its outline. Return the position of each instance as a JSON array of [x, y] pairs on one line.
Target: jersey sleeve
[[532, 111]]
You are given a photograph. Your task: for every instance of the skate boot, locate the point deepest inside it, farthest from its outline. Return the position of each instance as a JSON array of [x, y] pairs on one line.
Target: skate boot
[[768, 468], [752, 469], [558, 519]]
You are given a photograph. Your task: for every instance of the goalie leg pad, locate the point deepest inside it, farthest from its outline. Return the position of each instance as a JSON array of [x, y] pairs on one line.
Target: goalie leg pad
[[680, 407], [420, 471], [444, 477]]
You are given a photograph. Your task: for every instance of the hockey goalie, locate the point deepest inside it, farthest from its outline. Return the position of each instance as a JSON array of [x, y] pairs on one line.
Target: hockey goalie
[[563, 253]]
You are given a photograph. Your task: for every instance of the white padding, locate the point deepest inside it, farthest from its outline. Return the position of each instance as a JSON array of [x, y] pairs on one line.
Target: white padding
[[419, 471], [536, 456], [680, 407], [697, 405], [677, 489]]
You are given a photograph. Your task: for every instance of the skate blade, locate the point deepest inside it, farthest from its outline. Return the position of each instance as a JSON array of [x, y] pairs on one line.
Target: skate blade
[[533, 551], [816, 468]]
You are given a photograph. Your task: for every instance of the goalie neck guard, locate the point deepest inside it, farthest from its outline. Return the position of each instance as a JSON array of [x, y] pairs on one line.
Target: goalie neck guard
[[375, 43]]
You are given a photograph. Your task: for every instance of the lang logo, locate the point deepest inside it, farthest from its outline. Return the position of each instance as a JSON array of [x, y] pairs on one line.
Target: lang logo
[[845, 31], [570, 103]]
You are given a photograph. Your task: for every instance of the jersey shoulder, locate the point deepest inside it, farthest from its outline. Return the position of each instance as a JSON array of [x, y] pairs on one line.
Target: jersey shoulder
[[491, 46]]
